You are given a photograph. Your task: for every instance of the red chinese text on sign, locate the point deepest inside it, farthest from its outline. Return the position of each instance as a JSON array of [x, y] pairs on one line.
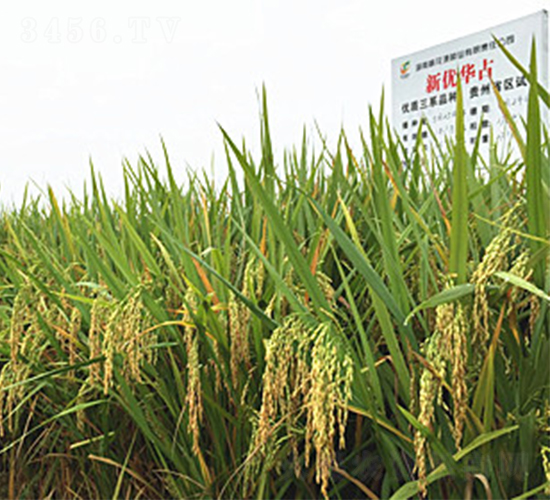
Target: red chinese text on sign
[[468, 72], [486, 69], [449, 79], [433, 83]]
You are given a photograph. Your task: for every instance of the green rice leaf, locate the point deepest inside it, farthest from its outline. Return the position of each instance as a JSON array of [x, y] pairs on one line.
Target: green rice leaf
[[459, 229]]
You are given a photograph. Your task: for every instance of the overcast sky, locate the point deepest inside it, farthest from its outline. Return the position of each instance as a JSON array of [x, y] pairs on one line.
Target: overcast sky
[[106, 79]]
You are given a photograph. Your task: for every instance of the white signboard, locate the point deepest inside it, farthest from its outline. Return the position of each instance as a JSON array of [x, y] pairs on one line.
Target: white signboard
[[424, 83]]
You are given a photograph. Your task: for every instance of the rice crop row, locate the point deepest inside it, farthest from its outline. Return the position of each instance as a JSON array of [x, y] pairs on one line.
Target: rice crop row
[[344, 324]]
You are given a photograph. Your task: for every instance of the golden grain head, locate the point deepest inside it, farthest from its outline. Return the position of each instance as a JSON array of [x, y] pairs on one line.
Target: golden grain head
[[98, 319], [19, 316], [545, 454], [194, 389], [495, 259], [307, 371], [459, 363], [430, 392]]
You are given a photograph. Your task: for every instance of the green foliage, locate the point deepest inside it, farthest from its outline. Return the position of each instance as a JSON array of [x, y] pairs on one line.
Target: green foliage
[[194, 341]]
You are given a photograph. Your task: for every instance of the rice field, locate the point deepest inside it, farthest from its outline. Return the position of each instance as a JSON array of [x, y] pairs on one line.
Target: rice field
[[340, 324]]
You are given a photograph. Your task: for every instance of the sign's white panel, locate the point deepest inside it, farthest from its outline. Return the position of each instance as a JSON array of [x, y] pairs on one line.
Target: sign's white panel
[[424, 83]]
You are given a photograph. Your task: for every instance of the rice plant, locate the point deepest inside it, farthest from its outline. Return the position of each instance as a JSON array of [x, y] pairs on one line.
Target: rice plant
[[340, 324]]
